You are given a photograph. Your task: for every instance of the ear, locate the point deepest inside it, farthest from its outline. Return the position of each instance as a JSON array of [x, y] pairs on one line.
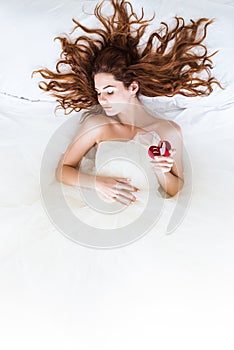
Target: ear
[[134, 87]]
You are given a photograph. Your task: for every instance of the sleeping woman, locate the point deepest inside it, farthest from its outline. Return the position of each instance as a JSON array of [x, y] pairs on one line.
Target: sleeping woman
[[104, 71]]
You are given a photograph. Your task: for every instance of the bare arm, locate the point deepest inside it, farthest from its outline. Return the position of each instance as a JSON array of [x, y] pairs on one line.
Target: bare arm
[[169, 170], [86, 137]]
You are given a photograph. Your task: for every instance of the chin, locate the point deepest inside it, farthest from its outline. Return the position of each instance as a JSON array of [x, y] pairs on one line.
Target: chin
[[110, 112]]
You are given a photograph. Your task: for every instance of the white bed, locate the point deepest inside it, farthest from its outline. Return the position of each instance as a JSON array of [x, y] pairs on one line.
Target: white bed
[[163, 290]]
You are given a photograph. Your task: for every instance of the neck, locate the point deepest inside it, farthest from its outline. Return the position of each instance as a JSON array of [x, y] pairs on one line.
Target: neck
[[135, 115]]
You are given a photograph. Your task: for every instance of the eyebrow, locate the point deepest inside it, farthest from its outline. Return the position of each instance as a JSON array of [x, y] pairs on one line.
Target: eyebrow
[[106, 87]]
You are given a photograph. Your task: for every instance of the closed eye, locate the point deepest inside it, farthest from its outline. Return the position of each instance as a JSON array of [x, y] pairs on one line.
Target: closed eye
[[108, 93]]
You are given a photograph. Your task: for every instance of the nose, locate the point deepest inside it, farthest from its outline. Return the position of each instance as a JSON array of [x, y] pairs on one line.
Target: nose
[[102, 98]]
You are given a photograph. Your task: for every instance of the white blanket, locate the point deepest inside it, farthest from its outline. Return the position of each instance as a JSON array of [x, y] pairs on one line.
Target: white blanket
[[161, 291]]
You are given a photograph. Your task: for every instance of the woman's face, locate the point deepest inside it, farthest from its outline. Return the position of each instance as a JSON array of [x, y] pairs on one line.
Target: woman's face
[[112, 95]]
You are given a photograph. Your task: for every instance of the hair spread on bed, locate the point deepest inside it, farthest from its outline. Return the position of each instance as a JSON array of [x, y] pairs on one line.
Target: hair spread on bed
[[172, 61]]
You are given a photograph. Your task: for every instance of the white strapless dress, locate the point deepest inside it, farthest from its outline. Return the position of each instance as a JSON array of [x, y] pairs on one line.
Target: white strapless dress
[[127, 159], [104, 222]]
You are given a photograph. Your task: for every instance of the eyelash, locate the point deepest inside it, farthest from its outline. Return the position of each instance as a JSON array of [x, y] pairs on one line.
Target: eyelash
[[108, 93]]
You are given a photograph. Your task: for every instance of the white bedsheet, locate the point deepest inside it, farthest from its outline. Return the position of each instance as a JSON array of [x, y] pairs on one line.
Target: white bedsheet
[[163, 291]]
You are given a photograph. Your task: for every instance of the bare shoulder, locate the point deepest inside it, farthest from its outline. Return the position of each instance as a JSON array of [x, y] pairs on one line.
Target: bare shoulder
[[95, 125], [168, 129], [96, 120], [88, 135]]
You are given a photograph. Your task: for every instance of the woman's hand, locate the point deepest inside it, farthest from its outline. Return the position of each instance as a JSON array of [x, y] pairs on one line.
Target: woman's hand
[[116, 188], [162, 164]]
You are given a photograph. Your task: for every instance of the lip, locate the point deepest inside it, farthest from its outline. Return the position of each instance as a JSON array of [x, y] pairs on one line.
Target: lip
[[107, 107]]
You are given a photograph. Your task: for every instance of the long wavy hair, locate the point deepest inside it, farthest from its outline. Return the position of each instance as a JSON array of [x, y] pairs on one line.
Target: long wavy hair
[[169, 63]]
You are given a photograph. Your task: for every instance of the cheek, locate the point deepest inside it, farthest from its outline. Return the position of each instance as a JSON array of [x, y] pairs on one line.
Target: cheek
[[121, 97]]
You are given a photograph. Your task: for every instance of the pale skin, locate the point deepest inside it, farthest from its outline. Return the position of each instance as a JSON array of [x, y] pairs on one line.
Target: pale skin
[[116, 99]]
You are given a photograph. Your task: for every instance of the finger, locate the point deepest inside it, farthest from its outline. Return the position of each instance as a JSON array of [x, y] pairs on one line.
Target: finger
[[122, 179], [162, 159], [172, 151], [162, 165], [164, 162], [126, 194], [125, 200], [125, 186], [122, 201]]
